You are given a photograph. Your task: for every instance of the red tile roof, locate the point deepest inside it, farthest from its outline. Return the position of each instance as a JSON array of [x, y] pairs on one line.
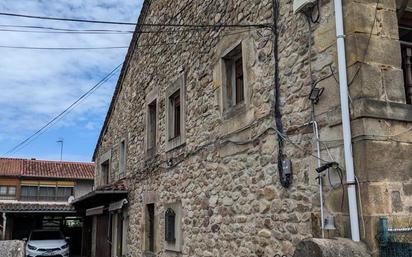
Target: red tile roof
[[46, 169], [11, 167], [116, 186]]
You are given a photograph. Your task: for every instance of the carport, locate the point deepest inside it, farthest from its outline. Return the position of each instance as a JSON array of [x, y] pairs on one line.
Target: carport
[[19, 219]]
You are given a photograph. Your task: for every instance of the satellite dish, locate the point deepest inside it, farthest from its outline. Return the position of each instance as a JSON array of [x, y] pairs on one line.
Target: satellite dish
[[71, 199]]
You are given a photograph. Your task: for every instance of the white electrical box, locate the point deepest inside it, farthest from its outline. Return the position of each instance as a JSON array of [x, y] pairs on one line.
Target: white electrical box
[[300, 5]]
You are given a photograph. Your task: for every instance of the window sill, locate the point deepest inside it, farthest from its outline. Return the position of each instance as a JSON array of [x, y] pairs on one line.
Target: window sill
[[234, 111], [151, 153], [174, 143], [148, 254]]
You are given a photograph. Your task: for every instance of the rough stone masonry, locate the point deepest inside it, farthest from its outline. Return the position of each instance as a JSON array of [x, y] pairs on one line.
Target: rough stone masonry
[[223, 176]]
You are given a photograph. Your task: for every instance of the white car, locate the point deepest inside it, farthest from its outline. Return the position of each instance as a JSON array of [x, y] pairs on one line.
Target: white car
[[47, 243]]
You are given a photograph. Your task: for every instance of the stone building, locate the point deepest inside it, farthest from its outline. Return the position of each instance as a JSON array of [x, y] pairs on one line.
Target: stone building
[[212, 127]]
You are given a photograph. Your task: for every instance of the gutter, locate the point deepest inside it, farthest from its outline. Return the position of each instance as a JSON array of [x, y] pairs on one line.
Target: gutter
[[346, 130]]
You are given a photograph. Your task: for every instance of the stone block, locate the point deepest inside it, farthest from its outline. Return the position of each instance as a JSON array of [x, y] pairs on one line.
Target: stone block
[[360, 18], [325, 34], [407, 189], [393, 85], [379, 161], [375, 199], [382, 51], [367, 82]]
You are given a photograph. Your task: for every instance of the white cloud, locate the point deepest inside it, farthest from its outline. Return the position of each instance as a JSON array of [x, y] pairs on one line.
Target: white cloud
[[36, 85]]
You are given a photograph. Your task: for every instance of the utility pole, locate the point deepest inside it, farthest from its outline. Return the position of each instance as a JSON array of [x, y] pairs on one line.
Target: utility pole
[[61, 141]]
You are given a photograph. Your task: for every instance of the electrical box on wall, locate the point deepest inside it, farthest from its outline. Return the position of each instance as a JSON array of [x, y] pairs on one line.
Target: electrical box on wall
[[300, 5]]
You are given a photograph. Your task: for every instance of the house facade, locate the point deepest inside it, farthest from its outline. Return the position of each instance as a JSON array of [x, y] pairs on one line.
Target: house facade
[[219, 124], [36, 194]]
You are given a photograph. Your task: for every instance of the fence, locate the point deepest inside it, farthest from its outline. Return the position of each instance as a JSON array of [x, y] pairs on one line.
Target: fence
[[394, 242]]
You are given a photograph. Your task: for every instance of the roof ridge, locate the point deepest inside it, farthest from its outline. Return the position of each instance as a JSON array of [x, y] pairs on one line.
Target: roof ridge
[[63, 162], [51, 161]]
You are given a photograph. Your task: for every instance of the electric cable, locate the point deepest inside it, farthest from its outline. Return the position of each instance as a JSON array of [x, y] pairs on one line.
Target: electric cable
[[58, 117], [53, 30], [63, 48], [94, 48], [133, 23], [63, 29], [65, 32], [285, 180]]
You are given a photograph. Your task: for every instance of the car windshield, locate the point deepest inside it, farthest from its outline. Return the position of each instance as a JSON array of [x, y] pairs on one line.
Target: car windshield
[[46, 235]]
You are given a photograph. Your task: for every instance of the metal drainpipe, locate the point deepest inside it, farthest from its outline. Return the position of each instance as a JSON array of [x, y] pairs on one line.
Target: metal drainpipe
[[4, 225], [346, 130], [322, 219]]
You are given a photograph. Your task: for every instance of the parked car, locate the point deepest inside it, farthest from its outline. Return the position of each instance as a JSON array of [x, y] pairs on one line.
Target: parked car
[[45, 243]]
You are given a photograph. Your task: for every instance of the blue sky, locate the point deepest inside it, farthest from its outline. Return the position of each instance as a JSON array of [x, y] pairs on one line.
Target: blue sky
[[38, 84]]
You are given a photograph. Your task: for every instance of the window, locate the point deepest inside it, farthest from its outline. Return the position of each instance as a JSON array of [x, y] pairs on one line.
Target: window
[[11, 191], [7, 192], [3, 190], [104, 169], [150, 227], [29, 193], [47, 193], [175, 109], [63, 193], [151, 127], [173, 227], [122, 158], [174, 102], [170, 220], [234, 90]]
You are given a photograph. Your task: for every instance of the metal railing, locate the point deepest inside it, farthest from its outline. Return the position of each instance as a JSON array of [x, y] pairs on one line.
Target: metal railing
[[394, 242]]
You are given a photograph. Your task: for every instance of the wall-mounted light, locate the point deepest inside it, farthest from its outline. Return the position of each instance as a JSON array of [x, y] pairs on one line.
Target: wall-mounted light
[[315, 93], [327, 166]]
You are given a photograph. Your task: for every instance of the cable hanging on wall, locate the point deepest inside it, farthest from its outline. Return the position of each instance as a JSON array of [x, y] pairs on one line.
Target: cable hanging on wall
[[284, 169]]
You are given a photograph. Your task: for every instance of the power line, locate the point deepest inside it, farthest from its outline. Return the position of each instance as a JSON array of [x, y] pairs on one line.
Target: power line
[[88, 48], [63, 48], [65, 29], [265, 25], [57, 118], [65, 32]]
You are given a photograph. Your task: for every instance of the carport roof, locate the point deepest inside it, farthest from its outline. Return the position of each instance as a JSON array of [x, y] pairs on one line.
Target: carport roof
[[103, 195], [30, 207]]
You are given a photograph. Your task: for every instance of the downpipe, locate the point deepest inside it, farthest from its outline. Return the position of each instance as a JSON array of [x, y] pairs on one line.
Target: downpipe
[[317, 137], [346, 130]]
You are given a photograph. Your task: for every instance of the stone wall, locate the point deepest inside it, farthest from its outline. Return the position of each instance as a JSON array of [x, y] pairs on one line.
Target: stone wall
[[12, 248], [225, 175]]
